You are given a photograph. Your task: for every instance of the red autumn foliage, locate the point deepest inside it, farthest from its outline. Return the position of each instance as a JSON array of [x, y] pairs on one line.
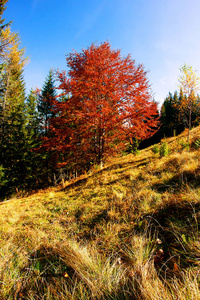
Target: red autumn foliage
[[107, 103]]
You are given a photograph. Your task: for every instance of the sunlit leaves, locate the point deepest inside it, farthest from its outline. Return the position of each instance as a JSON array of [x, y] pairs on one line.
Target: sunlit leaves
[[189, 83], [108, 103]]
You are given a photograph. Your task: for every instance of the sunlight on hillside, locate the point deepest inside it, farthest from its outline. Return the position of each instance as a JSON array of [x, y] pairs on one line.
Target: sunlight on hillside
[[127, 231]]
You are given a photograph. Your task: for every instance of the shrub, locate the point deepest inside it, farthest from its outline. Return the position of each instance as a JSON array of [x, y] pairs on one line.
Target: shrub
[[164, 149], [3, 180], [197, 144], [155, 149], [185, 145]]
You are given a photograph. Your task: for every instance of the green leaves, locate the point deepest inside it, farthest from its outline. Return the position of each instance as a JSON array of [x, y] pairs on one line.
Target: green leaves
[[164, 149]]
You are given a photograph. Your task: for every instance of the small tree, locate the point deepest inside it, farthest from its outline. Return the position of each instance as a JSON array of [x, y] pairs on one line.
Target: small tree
[[189, 83]]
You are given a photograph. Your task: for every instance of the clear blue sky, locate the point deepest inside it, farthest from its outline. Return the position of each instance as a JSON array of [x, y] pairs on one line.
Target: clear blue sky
[[161, 34]]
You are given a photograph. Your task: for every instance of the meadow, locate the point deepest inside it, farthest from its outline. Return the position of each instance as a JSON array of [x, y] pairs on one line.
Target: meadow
[[127, 231]]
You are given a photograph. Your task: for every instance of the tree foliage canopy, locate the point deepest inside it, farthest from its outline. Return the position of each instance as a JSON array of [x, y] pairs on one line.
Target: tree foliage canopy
[[189, 83], [109, 103]]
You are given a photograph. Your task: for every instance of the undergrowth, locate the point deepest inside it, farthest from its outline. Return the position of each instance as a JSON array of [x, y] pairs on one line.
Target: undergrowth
[[127, 231]]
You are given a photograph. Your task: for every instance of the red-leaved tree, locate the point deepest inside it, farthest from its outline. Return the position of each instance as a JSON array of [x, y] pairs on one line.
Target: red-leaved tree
[[106, 101]]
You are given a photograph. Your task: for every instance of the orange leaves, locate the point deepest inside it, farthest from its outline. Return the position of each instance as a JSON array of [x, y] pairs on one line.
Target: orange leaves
[[109, 101]]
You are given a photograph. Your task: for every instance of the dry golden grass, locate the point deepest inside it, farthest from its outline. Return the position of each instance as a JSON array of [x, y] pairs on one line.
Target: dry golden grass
[[128, 231]]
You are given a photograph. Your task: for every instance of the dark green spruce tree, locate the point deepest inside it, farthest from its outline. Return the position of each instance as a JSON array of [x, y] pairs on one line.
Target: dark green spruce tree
[[172, 118], [45, 105], [32, 179], [46, 100]]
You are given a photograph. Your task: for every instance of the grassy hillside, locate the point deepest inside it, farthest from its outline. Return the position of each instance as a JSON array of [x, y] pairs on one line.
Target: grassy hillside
[[128, 231]]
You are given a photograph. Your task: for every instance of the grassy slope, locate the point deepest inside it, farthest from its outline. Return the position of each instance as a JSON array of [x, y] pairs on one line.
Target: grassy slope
[[128, 231]]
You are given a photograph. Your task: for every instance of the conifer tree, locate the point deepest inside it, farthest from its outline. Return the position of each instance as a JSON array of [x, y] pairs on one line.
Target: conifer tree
[[170, 117], [174, 116], [2, 8], [32, 113], [35, 162], [46, 100], [12, 107], [12, 58]]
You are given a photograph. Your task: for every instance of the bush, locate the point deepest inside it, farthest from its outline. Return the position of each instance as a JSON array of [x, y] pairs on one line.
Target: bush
[[155, 149], [185, 145], [164, 149], [197, 144], [3, 180]]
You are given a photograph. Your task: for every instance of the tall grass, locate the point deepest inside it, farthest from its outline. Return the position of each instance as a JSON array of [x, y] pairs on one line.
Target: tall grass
[[128, 231]]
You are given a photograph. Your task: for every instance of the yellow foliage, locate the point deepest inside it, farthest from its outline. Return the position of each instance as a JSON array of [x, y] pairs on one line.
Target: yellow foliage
[[10, 52], [189, 81]]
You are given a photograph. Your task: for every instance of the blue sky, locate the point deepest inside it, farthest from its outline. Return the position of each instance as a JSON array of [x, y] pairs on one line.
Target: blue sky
[[161, 34]]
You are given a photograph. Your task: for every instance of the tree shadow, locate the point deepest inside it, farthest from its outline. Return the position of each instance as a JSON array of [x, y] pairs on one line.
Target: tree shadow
[[97, 218], [46, 269], [176, 209], [57, 271], [135, 163], [176, 224], [80, 181], [180, 180]]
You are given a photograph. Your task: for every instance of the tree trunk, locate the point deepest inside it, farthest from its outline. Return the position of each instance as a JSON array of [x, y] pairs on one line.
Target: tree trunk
[[190, 121]]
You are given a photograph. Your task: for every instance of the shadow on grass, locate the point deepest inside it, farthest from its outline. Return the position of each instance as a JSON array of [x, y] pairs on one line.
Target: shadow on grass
[[134, 164], [102, 215], [176, 224], [44, 273], [176, 209], [61, 273], [179, 181]]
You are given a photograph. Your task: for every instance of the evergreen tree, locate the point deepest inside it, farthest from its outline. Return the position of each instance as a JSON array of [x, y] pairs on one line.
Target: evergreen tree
[[13, 61], [173, 118], [167, 116], [2, 25], [35, 161], [12, 108], [32, 113], [46, 100]]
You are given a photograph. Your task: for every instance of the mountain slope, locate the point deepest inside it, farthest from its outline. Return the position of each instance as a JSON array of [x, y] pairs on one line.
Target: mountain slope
[[128, 231]]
